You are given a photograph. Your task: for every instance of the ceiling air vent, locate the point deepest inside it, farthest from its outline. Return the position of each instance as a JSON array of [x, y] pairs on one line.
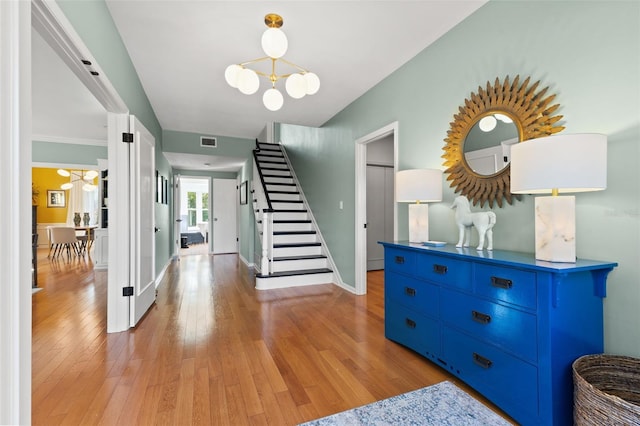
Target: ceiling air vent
[[208, 141]]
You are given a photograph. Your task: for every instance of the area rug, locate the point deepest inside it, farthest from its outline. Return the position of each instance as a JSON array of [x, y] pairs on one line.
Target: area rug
[[440, 404]]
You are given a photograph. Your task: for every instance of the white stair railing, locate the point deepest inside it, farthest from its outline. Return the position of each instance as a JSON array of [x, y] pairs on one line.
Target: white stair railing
[[264, 221]]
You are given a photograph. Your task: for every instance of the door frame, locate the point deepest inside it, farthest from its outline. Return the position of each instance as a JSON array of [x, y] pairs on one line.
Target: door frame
[[361, 199], [177, 200], [53, 25], [15, 222]]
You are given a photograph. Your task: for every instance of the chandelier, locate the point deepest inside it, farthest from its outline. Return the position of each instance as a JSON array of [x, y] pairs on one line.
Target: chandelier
[[86, 177], [299, 83]]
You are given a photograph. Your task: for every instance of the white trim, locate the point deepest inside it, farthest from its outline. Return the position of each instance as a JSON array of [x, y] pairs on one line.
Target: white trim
[[118, 231], [66, 166], [73, 141], [15, 217], [52, 24], [361, 199]]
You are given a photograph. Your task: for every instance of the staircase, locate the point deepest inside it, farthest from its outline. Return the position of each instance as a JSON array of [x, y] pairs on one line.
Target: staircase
[[293, 253]]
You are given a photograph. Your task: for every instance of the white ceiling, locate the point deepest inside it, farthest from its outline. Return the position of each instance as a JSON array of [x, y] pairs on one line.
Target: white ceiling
[[180, 50]]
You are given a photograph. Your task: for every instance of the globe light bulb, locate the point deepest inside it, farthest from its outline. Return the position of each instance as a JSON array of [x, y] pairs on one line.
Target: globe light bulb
[[248, 82], [488, 123], [231, 75], [296, 86], [313, 83], [274, 43], [272, 99]]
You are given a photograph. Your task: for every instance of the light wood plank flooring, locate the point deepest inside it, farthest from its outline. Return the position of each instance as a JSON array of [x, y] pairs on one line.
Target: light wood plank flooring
[[212, 350]]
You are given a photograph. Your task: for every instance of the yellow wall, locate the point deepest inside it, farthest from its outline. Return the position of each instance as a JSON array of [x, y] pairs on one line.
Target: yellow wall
[[47, 179], [43, 180]]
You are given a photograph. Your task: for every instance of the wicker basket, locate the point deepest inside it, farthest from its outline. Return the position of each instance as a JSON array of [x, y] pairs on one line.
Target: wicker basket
[[606, 390]]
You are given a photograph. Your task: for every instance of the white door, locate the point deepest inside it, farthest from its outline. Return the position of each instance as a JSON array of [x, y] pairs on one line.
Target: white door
[[142, 197], [177, 194], [225, 230], [379, 213]]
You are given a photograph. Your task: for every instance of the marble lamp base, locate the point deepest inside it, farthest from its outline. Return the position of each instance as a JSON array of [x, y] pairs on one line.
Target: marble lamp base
[[556, 228], [418, 223]]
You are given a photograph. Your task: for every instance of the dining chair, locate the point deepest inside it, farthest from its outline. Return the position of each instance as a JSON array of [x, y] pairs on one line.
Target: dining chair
[[63, 238], [85, 240]]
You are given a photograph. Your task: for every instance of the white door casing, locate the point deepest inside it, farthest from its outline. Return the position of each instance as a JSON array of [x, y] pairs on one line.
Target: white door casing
[[142, 193], [177, 194], [15, 216], [361, 200], [225, 201]]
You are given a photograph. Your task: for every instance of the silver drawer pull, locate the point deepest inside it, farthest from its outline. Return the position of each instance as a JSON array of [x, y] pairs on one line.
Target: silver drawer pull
[[440, 269], [411, 292], [501, 282], [482, 361], [399, 260], [480, 317]]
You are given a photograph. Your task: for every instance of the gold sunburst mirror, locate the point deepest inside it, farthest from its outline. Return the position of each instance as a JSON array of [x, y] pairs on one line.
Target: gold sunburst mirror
[[477, 145]]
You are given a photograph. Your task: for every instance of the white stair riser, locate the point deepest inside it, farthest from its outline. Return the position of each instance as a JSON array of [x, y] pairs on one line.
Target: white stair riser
[[292, 227], [302, 238], [279, 179], [293, 281], [287, 206], [284, 172], [283, 188], [270, 163], [296, 251], [290, 216], [289, 197], [297, 265]]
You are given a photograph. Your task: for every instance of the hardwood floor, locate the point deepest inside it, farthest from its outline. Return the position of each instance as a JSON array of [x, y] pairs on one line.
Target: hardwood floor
[[212, 350]]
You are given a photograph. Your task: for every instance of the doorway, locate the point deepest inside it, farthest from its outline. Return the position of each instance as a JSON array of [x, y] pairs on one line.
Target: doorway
[[193, 215], [389, 132]]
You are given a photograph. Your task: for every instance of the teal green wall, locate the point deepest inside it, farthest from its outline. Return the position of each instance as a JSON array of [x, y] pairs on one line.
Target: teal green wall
[[64, 153], [93, 23], [189, 143], [587, 52]]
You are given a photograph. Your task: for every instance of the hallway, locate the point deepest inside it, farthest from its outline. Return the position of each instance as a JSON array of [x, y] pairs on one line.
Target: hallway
[[212, 350]]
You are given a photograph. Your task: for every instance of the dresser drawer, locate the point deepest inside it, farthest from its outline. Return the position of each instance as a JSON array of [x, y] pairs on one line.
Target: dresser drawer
[[415, 294], [508, 284], [502, 326], [399, 261], [494, 373], [444, 270], [411, 329]]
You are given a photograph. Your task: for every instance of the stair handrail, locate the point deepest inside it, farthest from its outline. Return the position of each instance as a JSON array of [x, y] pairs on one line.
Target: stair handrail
[[264, 185], [266, 234]]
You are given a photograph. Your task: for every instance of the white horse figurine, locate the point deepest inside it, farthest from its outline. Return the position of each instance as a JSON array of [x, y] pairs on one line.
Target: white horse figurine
[[483, 221]]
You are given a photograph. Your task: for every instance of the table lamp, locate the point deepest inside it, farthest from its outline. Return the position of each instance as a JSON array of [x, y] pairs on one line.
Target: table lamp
[[418, 186], [553, 165]]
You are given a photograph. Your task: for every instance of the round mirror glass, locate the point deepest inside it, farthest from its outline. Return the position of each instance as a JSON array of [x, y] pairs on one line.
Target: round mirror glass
[[487, 146]]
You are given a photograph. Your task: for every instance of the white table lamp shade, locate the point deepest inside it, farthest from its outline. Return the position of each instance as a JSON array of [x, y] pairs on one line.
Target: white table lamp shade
[[554, 165], [569, 163], [421, 185], [416, 186]]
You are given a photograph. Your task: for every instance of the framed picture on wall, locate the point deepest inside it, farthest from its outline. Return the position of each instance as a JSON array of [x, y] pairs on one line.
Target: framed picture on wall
[[243, 192], [158, 187], [56, 198], [165, 191]]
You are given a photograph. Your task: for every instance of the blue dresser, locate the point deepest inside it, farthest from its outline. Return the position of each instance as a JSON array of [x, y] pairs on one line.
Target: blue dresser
[[506, 324]]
